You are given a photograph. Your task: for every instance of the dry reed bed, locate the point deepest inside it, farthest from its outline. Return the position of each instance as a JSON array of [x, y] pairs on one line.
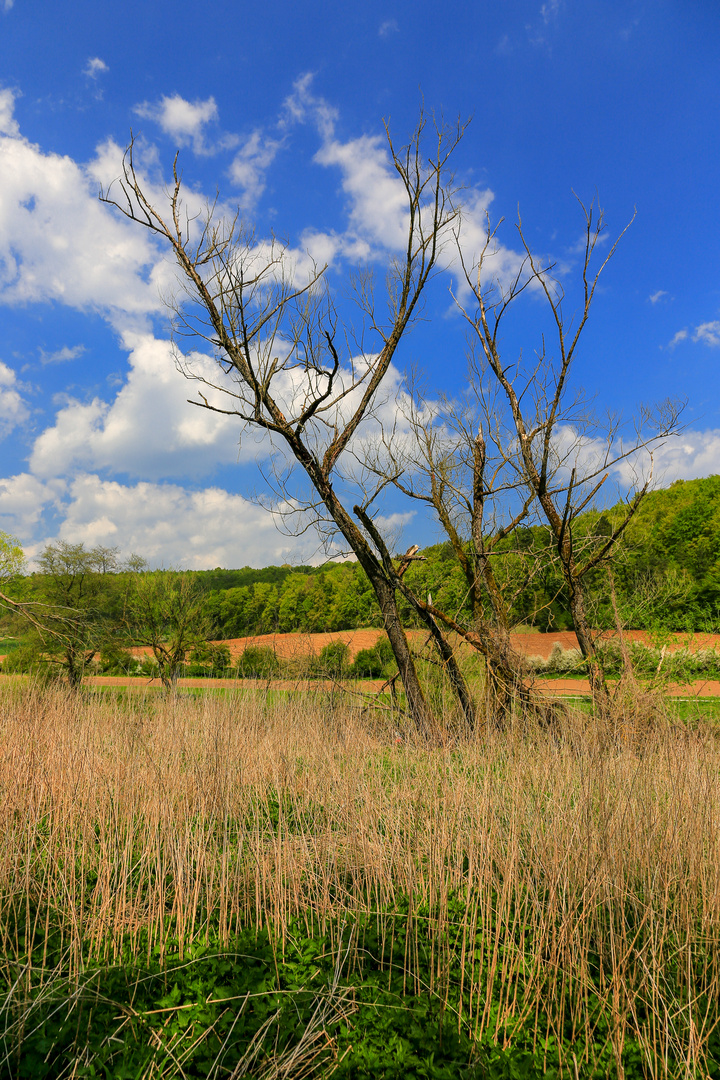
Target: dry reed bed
[[562, 872]]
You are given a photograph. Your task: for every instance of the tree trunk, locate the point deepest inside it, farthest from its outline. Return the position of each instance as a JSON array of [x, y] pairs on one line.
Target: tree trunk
[[417, 705], [74, 670], [583, 631]]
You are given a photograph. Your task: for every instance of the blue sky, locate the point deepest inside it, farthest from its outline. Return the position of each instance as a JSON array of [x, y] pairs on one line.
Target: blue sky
[[280, 107]]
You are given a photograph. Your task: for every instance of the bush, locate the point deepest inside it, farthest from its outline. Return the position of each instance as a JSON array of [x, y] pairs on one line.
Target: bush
[[210, 661], [26, 659], [375, 663], [147, 666], [258, 663], [559, 662], [333, 661]]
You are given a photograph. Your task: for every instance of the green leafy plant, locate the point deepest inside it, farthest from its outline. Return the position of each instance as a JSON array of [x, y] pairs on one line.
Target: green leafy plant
[[257, 662]]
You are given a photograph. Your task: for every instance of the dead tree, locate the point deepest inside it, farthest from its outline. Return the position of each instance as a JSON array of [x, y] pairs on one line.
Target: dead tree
[[278, 344], [445, 464], [560, 454]]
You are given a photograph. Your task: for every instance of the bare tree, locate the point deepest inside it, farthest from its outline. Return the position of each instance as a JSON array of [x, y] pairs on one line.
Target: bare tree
[[445, 464], [560, 454], [280, 349]]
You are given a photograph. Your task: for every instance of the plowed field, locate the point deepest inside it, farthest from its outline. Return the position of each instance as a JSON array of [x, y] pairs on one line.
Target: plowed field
[[530, 643]]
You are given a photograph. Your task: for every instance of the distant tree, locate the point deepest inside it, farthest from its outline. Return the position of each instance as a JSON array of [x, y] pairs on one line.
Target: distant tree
[[258, 663], [12, 558], [165, 611], [333, 661], [67, 604]]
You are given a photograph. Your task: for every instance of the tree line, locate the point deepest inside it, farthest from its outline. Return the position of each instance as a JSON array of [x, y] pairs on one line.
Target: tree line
[[85, 607], [665, 574]]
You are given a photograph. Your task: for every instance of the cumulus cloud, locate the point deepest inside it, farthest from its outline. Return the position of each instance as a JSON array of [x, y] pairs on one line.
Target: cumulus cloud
[[94, 67], [7, 4], [149, 430], [377, 201], [170, 525], [186, 122], [687, 456], [23, 500], [59, 243], [8, 123], [656, 297]]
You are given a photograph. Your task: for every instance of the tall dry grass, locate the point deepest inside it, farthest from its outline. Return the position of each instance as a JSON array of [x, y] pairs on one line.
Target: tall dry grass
[[556, 870]]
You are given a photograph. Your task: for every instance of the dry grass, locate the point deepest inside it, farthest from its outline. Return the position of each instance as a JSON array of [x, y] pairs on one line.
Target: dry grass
[[561, 870]]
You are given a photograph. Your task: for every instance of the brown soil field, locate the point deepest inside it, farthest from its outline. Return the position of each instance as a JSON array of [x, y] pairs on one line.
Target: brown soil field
[[533, 643], [295, 646], [530, 643]]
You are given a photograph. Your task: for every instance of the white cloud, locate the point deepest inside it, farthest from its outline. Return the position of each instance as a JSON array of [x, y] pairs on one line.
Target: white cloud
[[58, 242], [8, 124], [301, 107], [7, 4], [94, 67], [656, 297], [149, 430], [61, 356], [13, 410], [377, 200], [23, 499], [171, 525], [388, 27], [250, 165], [688, 456], [186, 121], [708, 332], [677, 338]]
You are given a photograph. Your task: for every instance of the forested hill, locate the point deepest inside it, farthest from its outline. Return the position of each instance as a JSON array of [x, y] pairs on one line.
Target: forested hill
[[667, 572]]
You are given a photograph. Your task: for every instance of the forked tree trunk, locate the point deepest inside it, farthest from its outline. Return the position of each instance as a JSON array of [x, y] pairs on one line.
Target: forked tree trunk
[[586, 641], [418, 707]]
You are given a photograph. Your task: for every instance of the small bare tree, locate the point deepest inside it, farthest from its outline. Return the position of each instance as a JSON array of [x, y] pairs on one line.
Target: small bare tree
[[560, 454], [279, 347]]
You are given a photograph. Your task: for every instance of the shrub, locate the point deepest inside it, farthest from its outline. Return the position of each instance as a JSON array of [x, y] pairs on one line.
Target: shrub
[[559, 662], [26, 659], [333, 661], [374, 663], [210, 660], [257, 663], [115, 660]]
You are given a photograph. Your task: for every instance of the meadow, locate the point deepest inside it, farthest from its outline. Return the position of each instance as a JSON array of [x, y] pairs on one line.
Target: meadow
[[281, 886]]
